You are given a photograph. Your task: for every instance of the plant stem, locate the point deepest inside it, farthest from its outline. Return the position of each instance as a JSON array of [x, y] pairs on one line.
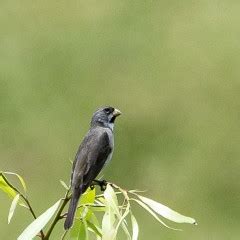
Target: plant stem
[[58, 216]]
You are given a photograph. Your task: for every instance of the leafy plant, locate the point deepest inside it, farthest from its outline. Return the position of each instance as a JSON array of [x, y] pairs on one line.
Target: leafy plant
[[114, 206]]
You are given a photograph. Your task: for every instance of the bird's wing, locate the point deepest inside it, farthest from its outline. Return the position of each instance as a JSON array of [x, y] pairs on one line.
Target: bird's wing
[[90, 158]]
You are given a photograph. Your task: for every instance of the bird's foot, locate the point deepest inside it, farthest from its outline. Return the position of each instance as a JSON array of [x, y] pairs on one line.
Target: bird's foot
[[101, 183]]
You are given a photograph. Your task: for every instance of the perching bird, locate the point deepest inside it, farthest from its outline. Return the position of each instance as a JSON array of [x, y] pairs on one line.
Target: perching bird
[[94, 152]]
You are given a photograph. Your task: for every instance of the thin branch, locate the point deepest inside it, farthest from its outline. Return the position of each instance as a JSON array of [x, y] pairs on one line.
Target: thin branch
[[58, 215]]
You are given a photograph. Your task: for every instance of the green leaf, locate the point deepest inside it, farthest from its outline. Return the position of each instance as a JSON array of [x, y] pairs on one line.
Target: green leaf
[[121, 222], [108, 221], [111, 197], [64, 184], [6, 188], [100, 200], [166, 211], [85, 229], [111, 201], [135, 228], [94, 229], [22, 204], [101, 203], [127, 210], [93, 225], [38, 224], [79, 231], [74, 231], [108, 229], [153, 214], [93, 219], [13, 207], [82, 211], [20, 179], [88, 196]]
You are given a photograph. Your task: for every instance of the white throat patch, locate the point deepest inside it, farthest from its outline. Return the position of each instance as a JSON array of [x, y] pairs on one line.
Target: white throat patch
[[110, 125]]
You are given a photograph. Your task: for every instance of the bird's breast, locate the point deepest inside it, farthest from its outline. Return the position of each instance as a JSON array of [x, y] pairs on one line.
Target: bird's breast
[[111, 143], [109, 158]]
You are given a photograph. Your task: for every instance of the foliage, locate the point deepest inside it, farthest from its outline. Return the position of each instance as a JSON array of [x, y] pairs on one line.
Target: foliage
[[114, 205]]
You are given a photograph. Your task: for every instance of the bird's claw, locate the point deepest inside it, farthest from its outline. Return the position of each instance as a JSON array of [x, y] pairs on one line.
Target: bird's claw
[[102, 184]]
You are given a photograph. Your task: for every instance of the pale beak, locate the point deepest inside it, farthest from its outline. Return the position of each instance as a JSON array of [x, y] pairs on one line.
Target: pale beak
[[116, 112]]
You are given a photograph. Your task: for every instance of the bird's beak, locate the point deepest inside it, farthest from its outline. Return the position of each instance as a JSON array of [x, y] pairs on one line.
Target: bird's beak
[[116, 112]]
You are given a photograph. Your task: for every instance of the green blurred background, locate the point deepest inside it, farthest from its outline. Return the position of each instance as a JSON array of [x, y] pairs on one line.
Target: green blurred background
[[171, 67]]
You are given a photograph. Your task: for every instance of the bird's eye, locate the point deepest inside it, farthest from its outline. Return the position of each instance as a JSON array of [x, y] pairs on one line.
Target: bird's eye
[[107, 110]]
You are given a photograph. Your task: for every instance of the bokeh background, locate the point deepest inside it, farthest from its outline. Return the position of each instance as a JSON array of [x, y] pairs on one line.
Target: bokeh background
[[171, 67]]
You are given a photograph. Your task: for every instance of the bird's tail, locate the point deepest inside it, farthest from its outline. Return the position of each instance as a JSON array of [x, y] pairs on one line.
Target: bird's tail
[[72, 209]]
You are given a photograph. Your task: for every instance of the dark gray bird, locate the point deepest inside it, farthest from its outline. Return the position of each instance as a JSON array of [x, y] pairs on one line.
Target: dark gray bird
[[94, 152]]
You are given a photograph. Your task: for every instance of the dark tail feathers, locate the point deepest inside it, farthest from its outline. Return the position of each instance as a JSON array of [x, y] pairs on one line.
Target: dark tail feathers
[[71, 210]]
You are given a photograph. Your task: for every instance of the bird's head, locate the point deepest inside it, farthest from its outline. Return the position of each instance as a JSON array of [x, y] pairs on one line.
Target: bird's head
[[105, 117]]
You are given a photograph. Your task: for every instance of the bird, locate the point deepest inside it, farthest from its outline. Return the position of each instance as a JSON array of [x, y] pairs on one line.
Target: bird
[[94, 152]]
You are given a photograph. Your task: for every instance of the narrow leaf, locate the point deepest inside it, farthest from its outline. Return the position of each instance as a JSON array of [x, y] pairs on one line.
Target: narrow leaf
[[86, 230], [83, 231], [108, 229], [88, 196], [93, 225], [95, 229], [13, 207], [6, 188], [135, 228], [80, 228], [95, 221], [100, 201], [20, 179], [121, 222], [74, 231], [83, 211], [38, 224], [64, 184], [111, 200], [23, 205], [166, 211], [79, 231], [137, 191], [153, 214]]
